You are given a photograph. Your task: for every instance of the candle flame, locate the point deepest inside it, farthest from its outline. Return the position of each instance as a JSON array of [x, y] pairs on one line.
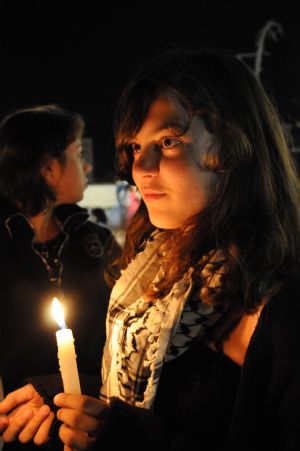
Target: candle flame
[[58, 313]]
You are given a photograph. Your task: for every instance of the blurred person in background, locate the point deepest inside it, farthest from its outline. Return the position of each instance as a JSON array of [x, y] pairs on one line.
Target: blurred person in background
[[48, 247]]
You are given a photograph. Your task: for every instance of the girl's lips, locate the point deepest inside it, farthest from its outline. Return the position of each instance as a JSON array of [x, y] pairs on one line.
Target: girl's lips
[[153, 196]]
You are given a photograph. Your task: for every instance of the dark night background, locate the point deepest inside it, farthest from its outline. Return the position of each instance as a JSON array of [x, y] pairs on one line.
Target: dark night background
[[80, 54]]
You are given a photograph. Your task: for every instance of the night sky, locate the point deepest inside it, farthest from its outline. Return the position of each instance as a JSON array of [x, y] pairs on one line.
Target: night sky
[[58, 52]]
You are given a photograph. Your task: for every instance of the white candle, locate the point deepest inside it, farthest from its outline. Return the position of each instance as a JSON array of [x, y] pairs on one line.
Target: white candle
[[66, 351]]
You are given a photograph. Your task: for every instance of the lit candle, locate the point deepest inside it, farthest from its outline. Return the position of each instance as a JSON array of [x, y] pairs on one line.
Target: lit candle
[[66, 351]]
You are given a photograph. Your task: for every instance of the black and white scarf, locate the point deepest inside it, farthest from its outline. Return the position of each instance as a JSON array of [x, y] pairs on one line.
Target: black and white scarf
[[142, 335]]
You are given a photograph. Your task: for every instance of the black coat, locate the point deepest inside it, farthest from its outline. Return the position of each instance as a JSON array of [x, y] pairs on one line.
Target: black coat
[[27, 330], [206, 401]]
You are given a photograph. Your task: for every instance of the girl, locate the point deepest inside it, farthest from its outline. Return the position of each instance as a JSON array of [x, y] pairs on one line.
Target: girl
[[203, 342]]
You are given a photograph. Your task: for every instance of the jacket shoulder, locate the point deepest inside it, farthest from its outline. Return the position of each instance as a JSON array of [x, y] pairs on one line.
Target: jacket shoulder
[[278, 326], [286, 302], [104, 233]]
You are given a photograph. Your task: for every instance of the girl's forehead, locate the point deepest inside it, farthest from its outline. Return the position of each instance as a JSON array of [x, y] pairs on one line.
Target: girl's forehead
[[167, 110]]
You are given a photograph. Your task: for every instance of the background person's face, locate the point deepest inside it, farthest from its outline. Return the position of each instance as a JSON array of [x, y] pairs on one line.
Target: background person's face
[[69, 180], [166, 167]]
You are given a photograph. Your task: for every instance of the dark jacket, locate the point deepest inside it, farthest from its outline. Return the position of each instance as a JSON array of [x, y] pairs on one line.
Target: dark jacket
[[27, 330], [205, 401]]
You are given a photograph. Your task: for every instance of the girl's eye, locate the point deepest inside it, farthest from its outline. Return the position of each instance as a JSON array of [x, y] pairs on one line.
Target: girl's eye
[[164, 143], [169, 143], [135, 148]]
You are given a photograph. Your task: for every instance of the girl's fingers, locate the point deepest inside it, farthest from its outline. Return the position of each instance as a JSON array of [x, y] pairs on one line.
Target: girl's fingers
[[17, 397], [42, 435], [3, 423], [29, 431], [16, 426], [78, 420], [74, 439], [86, 404], [81, 416], [67, 448]]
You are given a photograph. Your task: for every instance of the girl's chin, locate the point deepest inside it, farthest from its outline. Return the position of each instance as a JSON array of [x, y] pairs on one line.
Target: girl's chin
[[164, 224]]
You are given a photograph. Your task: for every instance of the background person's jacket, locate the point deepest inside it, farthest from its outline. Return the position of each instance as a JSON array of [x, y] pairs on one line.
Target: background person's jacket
[[27, 330]]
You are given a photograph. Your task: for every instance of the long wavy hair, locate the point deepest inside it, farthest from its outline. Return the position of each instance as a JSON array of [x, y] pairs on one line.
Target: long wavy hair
[[253, 216]]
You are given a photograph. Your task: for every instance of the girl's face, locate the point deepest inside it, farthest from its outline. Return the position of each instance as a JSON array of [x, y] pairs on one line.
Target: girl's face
[[68, 180], [166, 167]]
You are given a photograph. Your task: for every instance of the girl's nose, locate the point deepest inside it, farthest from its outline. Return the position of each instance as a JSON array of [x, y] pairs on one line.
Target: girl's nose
[[87, 167], [147, 162]]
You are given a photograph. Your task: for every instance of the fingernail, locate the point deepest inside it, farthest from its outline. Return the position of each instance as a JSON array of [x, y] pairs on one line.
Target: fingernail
[[3, 424], [57, 399], [45, 409]]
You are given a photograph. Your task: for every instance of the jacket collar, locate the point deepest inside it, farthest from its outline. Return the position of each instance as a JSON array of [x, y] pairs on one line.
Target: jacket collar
[[70, 217]]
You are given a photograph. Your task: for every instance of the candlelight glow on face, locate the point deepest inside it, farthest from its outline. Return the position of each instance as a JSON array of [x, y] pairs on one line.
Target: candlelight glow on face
[[66, 351]]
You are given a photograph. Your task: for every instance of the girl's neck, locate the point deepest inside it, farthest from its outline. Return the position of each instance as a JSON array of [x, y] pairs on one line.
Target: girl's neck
[[45, 226]]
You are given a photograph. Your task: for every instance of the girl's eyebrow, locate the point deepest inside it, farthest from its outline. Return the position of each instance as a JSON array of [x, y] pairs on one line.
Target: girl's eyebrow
[[174, 126]]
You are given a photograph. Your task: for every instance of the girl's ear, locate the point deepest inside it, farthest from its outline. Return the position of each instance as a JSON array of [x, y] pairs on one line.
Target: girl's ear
[[51, 171]]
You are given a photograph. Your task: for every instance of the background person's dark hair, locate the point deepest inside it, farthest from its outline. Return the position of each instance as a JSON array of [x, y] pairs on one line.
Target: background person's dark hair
[[28, 138]]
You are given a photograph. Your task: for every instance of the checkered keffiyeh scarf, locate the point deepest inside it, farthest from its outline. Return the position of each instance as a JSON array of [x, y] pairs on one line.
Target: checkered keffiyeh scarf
[[141, 335]]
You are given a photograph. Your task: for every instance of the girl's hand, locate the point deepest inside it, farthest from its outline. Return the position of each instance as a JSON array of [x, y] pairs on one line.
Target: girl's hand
[[26, 416], [82, 417]]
